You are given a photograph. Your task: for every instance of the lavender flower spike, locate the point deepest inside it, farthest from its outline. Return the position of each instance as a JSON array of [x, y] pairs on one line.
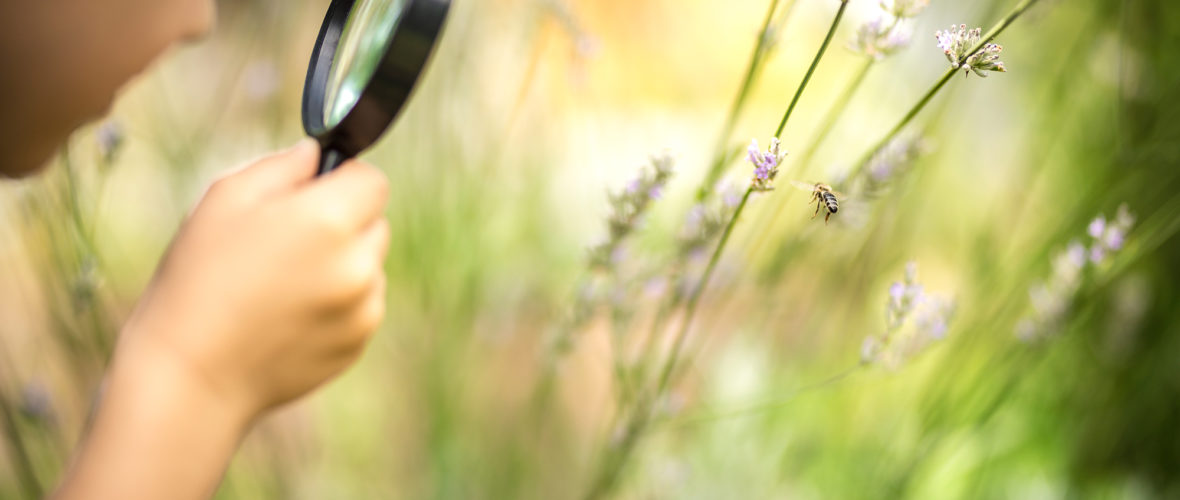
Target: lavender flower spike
[[1109, 236], [765, 164], [1051, 299], [628, 207], [893, 161], [913, 320], [958, 41]]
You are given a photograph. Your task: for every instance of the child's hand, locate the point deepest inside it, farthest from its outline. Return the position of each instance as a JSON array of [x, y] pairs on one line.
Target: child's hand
[[273, 284], [272, 287]]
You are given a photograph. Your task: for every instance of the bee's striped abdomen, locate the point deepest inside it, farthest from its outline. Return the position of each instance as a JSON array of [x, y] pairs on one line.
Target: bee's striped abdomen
[[830, 201]]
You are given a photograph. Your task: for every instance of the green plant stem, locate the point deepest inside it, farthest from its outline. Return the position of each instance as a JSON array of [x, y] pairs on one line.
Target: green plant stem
[[623, 380], [995, 31], [694, 299], [811, 69], [648, 343], [19, 453], [613, 464], [101, 337], [757, 57]]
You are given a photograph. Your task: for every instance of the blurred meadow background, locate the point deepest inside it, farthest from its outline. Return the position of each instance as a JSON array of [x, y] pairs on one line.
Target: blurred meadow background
[[991, 314]]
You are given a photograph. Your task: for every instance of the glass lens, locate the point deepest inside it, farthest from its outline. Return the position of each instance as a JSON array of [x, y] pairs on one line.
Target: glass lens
[[367, 32]]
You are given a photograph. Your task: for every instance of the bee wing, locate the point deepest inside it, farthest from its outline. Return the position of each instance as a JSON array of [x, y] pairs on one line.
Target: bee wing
[[839, 196], [804, 186], [854, 213]]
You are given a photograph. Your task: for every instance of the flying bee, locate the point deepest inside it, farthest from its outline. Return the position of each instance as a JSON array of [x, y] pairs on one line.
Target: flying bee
[[823, 196]]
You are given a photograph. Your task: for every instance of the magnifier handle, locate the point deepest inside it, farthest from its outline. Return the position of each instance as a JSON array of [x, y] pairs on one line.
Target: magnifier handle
[[330, 158]]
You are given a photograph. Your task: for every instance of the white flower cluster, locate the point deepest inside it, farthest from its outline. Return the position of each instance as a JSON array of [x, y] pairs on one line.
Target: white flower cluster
[[886, 35], [957, 44], [878, 39]]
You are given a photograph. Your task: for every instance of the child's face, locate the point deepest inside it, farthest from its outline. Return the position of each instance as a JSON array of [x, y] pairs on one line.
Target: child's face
[[63, 61]]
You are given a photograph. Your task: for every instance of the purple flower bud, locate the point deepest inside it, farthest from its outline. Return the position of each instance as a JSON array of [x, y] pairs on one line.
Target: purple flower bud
[[655, 287], [765, 164], [37, 402], [896, 291], [618, 255], [754, 152], [731, 197], [109, 136], [935, 327], [633, 186], [1097, 254], [1097, 227], [696, 214], [769, 160]]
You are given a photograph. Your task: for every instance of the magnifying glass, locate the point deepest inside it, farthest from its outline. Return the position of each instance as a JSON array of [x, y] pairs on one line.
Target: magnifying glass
[[367, 58]]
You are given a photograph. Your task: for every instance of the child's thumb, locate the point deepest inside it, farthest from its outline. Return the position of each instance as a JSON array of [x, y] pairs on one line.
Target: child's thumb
[[282, 171]]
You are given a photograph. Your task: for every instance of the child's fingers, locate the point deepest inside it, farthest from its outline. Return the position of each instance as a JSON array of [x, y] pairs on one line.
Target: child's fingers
[[370, 249], [372, 311], [281, 171], [371, 245], [353, 195], [376, 240], [364, 317]]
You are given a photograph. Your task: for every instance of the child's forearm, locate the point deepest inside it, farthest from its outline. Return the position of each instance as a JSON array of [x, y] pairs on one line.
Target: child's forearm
[[160, 432]]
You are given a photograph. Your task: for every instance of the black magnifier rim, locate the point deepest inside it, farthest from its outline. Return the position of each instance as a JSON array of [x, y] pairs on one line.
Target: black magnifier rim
[[383, 96]]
